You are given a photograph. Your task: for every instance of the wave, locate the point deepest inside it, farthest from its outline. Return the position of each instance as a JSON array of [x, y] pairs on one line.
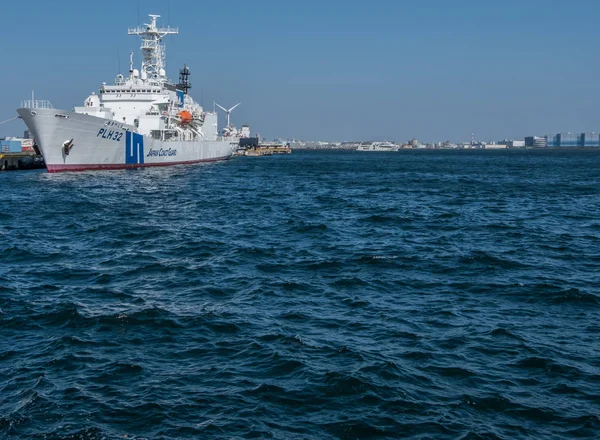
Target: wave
[[548, 365], [573, 296], [349, 282], [500, 332], [339, 384], [452, 372], [355, 302], [69, 316], [501, 404], [555, 294], [381, 219], [492, 261], [305, 228]]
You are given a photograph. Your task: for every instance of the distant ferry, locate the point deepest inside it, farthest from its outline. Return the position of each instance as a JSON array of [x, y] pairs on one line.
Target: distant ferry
[[377, 146], [142, 120]]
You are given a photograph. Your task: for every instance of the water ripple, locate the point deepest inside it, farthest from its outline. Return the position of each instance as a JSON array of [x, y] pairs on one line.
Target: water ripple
[[325, 295]]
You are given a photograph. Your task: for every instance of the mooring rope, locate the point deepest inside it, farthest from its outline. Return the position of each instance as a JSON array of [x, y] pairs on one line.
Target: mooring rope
[[11, 119]]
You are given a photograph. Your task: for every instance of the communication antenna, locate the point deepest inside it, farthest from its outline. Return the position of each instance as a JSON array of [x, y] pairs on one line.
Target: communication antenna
[[153, 50], [228, 112], [184, 79]]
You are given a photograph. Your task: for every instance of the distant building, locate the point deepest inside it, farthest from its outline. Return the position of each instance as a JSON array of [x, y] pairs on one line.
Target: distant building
[[552, 141], [10, 145], [568, 139], [571, 140], [16, 145], [536, 141], [511, 143], [590, 139]]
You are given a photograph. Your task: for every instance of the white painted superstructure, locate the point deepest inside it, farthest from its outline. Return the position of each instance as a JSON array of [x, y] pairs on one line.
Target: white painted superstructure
[[140, 120]]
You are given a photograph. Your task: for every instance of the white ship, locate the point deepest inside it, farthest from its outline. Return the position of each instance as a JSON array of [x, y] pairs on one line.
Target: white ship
[[142, 120], [377, 146]]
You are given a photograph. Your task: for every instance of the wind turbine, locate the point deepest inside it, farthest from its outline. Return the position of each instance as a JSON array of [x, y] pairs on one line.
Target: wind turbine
[[228, 112]]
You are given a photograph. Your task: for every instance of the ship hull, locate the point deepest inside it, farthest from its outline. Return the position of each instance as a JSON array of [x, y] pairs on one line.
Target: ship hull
[[72, 141]]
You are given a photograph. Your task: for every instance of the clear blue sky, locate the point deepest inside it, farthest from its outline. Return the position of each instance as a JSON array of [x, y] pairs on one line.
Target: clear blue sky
[[330, 69]]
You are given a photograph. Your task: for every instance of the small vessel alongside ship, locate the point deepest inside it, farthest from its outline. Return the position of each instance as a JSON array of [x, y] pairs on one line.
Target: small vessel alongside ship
[[377, 146], [142, 120], [255, 146]]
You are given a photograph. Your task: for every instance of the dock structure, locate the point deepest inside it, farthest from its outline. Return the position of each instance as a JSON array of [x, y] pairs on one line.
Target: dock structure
[[254, 147], [20, 161], [268, 150]]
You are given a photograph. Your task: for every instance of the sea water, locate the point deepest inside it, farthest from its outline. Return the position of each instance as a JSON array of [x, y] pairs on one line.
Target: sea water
[[317, 295]]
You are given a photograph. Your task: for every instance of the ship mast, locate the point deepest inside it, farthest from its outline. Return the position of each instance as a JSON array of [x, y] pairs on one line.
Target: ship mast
[[153, 51]]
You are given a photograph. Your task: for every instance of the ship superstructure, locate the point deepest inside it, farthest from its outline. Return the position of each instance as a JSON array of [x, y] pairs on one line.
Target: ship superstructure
[[141, 120]]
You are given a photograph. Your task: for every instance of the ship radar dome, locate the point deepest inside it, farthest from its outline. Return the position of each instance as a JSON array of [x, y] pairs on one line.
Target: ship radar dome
[[162, 73], [136, 73], [144, 75]]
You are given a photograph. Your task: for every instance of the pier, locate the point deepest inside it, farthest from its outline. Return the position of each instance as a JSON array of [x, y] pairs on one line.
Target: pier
[[254, 147], [20, 161], [267, 150]]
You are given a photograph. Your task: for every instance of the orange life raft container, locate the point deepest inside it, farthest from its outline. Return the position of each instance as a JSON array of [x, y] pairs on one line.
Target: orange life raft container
[[186, 117]]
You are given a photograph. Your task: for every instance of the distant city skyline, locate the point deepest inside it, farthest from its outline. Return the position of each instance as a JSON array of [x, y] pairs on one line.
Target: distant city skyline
[[331, 71]]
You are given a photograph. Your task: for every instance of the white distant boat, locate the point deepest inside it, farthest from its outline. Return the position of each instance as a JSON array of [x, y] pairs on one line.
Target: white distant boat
[[378, 146], [142, 120]]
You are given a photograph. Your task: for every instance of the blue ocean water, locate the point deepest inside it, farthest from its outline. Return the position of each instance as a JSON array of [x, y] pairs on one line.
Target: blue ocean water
[[317, 295]]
